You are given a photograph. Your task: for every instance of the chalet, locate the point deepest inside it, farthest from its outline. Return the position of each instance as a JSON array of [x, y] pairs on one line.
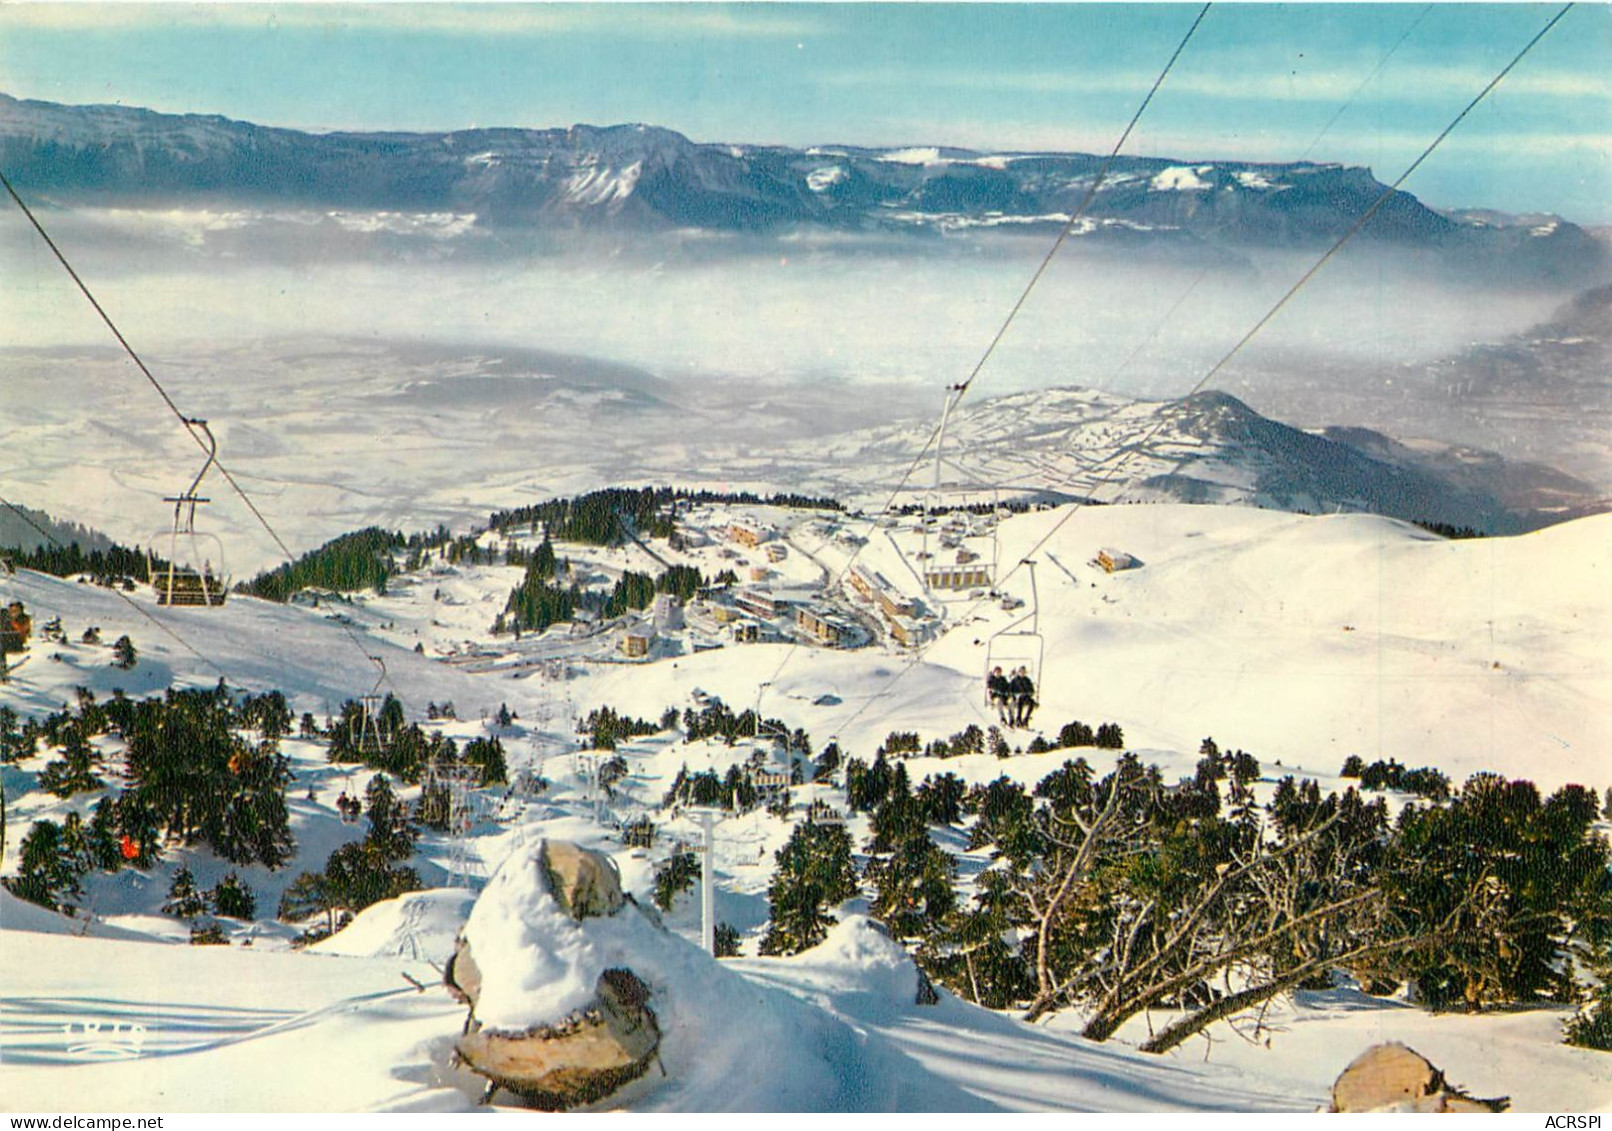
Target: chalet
[[777, 551], [746, 631], [1113, 561], [759, 573], [635, 645], [957, 577]]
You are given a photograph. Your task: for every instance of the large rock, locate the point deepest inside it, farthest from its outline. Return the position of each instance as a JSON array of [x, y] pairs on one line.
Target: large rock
[[585, 1053], [1392, 1077], [583, 882], [578, 1059]]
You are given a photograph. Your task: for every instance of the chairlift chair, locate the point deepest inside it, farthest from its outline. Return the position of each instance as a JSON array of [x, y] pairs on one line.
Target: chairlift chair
[[189, 578], [1017, 646]]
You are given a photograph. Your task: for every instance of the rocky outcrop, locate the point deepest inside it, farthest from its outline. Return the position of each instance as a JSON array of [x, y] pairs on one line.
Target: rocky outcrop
[[583, 1054], [1392, 1077]]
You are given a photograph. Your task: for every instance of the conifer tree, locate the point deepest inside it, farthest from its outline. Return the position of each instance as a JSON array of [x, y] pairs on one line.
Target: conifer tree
[[674, 876], [726, 940], [389, 837], [74, 772], [184, 901], [46, 868], [233, 899], [813, 873]]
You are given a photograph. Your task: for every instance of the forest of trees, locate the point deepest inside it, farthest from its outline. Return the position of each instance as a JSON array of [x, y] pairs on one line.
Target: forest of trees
[[597, 518], [202, 767], [347, 564], [114, 565], [1128, 893]]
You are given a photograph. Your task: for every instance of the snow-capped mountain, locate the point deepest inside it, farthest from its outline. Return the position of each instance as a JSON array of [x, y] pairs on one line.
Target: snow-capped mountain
[[639, 177], [1206, 448]]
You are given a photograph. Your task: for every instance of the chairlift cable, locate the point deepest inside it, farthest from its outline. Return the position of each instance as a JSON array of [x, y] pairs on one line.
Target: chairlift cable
[[1121, 368], [1365, 82], [1315, 269], [1063, 235], [1132, 449], [187, 645], [168, 400]]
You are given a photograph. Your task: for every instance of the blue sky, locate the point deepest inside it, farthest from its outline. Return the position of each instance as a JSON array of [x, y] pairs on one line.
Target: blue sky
[[1258, 82]]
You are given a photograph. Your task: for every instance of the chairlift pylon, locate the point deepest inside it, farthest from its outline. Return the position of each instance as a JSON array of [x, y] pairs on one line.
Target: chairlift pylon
[[370, 736], [188, 578]]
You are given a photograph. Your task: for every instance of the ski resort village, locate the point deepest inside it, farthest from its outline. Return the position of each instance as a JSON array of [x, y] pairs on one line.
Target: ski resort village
[[748, 751], [1038, 558]]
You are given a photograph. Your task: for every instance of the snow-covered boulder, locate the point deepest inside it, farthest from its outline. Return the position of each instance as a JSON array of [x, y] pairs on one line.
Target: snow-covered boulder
[[731, 1037], [554, 1017]]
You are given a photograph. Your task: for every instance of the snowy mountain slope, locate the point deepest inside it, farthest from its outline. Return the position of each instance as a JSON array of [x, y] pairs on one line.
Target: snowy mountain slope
[[348, 1034], [638, 177], [1206, 448], [1539, 394], [1389, 633], [1301, 639]]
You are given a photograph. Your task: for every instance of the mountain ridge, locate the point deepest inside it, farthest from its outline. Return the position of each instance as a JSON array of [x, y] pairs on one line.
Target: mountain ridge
[[639, 177], [1210, 447]]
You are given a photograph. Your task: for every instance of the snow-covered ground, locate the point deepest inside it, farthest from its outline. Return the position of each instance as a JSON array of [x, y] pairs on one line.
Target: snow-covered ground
[[1300, 639]]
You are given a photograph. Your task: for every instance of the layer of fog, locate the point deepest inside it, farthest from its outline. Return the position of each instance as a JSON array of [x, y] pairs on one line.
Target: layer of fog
[[1148, 320], [406, 371]]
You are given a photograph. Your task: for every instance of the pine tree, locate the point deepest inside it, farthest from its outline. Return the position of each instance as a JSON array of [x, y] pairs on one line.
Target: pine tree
[[184, 901], [828, 761], [913, 887], [726, 940], [488, 755], [102, 837], [74, 772], [942, 798], [124, 654], [42, 870], [389, 835], [435, 808], [969, 955], [674, 876], [233, 899], [813, 873]]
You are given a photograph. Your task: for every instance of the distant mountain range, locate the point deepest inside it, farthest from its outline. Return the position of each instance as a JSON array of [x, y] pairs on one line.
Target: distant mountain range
[[637, 178]]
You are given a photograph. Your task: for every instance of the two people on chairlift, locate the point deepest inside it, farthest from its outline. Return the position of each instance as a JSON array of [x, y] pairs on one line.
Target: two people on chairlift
[[1012, 696]]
